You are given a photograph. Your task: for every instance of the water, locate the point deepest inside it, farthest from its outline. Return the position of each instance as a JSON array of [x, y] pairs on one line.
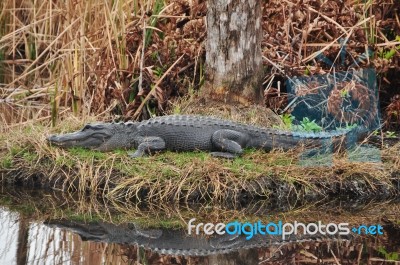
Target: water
[[28, 242], [42, 228]]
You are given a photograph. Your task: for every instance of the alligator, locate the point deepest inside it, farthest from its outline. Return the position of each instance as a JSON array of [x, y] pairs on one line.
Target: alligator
[[223, 138], [178, 242]]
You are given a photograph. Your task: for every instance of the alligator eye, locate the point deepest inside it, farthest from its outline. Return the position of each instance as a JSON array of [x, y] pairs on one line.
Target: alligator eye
[[87, 126]]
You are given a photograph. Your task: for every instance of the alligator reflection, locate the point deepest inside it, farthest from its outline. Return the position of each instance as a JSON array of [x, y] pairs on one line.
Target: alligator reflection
[[46, 227], [73, 242]]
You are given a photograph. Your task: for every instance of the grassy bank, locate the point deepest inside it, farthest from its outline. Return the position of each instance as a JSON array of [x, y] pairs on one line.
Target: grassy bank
[[26, 159]]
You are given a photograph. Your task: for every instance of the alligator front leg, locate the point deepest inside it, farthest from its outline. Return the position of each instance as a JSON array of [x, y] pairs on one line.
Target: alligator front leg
[[149, 145], [229, 143]]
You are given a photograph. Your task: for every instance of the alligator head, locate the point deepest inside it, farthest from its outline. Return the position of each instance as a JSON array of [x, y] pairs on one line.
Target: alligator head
[[99, 136]]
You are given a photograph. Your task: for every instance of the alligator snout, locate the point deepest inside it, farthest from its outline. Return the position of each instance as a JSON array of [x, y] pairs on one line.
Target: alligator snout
[[52, 138], [90, 140], [58, 140]]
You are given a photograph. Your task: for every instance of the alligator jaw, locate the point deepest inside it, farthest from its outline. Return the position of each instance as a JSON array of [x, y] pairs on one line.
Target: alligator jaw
[[91, 141], [56, 141]]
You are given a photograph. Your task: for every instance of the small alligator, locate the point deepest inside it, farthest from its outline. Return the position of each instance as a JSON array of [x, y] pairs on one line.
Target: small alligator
[[223, 138], [178, 242]]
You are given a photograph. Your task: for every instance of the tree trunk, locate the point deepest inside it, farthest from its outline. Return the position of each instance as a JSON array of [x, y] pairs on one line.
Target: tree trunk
[[23, 241], [233, 51]]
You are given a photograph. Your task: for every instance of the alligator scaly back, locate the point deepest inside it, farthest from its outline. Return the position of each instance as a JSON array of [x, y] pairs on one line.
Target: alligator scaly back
[[223, 138], [178, 242]]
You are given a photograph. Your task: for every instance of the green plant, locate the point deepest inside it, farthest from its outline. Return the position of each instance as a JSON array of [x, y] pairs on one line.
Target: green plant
[[390, 134], [309, 126], [287, 120], [389, 255], [344, 93], [305, 125], [307, 71], [351, 126], [158, 6], [370, 28], [177, 109], [347, 127], [389, 54], [54, 105], [6, 162], [159, 71]]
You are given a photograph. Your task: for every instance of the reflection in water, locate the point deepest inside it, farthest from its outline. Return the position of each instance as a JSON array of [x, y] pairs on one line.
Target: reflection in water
[[24, 241], [8, 232]]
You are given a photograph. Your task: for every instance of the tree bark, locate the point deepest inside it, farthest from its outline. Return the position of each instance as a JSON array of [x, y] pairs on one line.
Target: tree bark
[[233, 51]]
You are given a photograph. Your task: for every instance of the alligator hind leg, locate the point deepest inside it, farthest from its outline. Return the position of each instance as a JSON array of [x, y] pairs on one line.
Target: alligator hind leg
[[149, 145], [229, 143]]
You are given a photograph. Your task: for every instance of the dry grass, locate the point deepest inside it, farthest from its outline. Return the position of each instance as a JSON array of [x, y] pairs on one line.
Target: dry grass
[[87, 56]]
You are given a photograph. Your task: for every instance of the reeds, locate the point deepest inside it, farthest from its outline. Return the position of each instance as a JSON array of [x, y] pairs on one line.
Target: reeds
[[82, 55], [100, 57]]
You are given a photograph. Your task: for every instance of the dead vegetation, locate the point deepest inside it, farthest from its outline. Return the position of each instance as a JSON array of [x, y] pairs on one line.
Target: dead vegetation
[[132, 58]]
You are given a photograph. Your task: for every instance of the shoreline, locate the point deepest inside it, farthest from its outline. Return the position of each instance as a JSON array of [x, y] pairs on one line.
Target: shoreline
[[27, 160]]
